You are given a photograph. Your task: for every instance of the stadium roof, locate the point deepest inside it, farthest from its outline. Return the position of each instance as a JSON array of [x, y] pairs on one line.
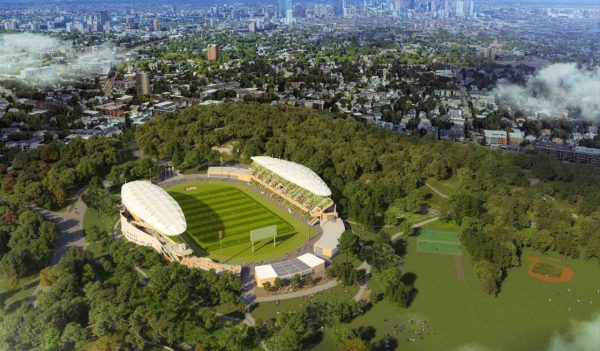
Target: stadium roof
[[154, 206], [298, 174]]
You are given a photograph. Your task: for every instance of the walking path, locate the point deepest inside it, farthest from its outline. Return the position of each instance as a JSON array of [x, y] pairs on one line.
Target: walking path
[[441, 194], [300, 293], [460, 269], [416, 225], [363, 285], [70, 226]]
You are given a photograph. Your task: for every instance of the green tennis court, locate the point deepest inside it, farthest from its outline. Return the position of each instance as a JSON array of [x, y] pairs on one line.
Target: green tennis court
[[435, 241]]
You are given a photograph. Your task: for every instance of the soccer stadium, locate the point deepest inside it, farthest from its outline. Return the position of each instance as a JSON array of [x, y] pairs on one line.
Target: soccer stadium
[[235, 215]]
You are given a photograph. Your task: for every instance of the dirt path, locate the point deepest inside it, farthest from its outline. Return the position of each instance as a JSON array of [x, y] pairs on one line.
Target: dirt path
[[460, 268], [441, 194], [416, 225]]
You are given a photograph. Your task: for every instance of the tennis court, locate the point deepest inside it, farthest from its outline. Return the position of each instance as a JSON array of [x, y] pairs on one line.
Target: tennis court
[[435, 241]]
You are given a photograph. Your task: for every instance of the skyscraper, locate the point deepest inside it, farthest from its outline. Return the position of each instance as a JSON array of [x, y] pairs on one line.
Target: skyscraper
[[156, 24], [459, 8], [471, 8], [282, 8], [142, 83], [103, 17], [338, 8], [213, 52]]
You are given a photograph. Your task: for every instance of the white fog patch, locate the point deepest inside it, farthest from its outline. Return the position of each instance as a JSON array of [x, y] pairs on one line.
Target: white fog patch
[[474, 347], [39, 59], [583, 336], [556, 90]]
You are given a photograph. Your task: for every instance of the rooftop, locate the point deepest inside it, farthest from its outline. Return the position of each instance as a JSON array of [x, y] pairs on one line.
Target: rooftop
[[153, 205], [298, 174]]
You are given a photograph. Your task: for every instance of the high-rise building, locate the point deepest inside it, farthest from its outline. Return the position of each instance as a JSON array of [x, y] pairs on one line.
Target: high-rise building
[[214, 51], [471, 8], [459, 8], [142, 83], [156, 24], [283, 6], [103, 17]]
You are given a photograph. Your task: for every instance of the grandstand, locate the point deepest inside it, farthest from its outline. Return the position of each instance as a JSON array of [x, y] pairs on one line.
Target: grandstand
[[297, 185]]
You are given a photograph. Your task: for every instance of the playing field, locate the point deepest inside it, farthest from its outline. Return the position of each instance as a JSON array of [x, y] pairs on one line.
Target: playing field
[[530, 311], [233, 210], [436, 241]]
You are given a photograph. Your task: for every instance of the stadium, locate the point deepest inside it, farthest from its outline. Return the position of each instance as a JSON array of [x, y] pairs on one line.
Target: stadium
[[234, 216]]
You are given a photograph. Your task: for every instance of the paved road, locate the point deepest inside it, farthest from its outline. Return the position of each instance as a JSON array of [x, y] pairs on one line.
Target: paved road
[[70, 226], [437, 191]]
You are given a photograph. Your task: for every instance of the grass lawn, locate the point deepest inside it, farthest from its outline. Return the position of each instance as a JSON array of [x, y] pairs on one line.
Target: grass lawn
[[447, 187], [460, 313], [235, 209], [450, 226], [267, 310], [104, 222], [11, 299]]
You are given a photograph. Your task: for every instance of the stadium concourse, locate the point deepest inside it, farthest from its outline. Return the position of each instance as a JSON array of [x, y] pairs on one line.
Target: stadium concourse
[[151, 217]]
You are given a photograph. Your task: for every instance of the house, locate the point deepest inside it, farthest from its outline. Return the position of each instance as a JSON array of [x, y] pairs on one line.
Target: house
[[495, 138], [516, 137]]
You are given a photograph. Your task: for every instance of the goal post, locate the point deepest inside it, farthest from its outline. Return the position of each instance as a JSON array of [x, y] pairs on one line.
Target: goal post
[[263, 233]]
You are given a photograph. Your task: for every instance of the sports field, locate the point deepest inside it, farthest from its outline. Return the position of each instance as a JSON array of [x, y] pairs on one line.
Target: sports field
[[436, 241], [526, 315], [234, 210]]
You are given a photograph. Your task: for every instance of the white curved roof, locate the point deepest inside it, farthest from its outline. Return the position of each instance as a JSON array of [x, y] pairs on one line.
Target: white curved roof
[[298, 174], [155, 206]]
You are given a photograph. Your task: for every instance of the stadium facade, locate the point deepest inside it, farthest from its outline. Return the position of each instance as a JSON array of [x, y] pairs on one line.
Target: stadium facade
[[150, 217], [296, 185]]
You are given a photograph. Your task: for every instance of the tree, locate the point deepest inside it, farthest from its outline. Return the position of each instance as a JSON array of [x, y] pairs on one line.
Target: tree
[[489, 275], [178, 297], [105, 343], [51, 339], [381, 255], [355, 344], [394, 288], [466, 204], [46, 277], [309, 280], [349, 243], [74, 334], [267, 286], [94, 234], [93, 197], [277, 283], [295, 281]]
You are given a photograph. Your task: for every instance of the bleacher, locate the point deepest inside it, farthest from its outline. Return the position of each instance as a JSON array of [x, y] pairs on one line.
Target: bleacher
[[302, 200]]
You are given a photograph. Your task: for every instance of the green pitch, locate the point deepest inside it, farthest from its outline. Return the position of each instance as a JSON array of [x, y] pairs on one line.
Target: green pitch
[[234, 210], [434, 241]]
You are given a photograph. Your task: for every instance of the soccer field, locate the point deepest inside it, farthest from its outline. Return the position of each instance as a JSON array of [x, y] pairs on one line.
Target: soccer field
[[235, 210]]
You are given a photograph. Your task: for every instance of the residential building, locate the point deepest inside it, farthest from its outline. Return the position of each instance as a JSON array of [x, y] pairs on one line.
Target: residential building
[[495, 138]]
